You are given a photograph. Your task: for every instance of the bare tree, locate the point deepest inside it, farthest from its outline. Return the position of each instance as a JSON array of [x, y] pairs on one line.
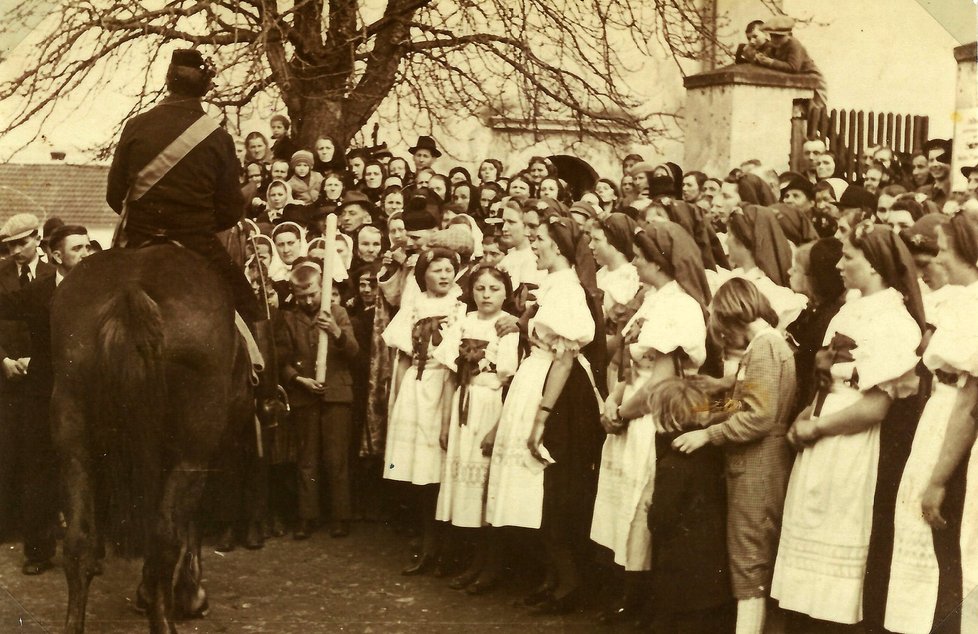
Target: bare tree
[[334, 62]]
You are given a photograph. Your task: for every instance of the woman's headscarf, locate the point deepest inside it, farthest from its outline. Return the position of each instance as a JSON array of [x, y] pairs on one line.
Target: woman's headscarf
[[962, 233], [824, 277], [668, 245], [294, 228], [758, 229], [676, 173], [693, 221], [572, 245], [473, 226], [277, 271], [753, 190], [335, 164], [889, 257], [795, 224], [619, 229]]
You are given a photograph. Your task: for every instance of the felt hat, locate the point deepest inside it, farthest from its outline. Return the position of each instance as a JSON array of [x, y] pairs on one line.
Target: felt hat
[[302, 156], [19, 226], [799, 183], [354, 197], [939, 144], [857, 197], [425, 142], [297, 213], [966, 171], [641, 166], [50, 225], [779, 25]]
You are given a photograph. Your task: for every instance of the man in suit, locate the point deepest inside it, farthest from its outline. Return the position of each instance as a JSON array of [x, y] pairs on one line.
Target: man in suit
[[31, 307], [21, 235]]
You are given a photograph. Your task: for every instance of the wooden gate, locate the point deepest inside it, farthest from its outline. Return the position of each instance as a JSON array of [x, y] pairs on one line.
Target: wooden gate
[[848, 133]]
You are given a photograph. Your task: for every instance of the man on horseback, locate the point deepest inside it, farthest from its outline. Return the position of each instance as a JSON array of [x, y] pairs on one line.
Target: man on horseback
[[174, 177]]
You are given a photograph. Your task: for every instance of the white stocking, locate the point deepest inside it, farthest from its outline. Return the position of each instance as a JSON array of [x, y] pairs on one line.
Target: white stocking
[[750, 615]]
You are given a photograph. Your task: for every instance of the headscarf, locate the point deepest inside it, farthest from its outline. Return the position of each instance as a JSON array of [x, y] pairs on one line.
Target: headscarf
[[294, 228], [669, 246], [753, 190], [962, 232], [795, 224], [824, 276], [473, 226], [921, 237], [889, 257], [570, 243], [619, 229], [277, 271], [758, 229], [692, 220]]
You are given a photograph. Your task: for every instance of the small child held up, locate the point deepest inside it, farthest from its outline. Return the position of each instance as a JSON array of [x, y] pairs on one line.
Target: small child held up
[[690, 578], [321, 411]]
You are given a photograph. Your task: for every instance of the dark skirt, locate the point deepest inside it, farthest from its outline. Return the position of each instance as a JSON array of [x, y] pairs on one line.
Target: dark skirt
[[574, 437]]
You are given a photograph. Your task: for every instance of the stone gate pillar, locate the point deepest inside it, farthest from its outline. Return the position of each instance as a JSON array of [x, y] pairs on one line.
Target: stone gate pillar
[[741, 112]]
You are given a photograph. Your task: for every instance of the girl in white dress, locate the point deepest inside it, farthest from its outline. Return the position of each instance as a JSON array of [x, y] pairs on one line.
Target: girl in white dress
[[421, 406], [483, 363], [948, 506], [870, 361], [665, 337], [549, 405], [915, 572]]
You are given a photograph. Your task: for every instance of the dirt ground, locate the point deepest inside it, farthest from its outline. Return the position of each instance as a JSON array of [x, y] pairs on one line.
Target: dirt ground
[[318, 585]]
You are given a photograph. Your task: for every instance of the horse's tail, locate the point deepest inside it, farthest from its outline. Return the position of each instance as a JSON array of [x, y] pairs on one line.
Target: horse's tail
[[130, 401]]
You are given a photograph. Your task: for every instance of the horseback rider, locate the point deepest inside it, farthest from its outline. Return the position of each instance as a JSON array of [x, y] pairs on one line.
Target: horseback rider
[[174, 177]]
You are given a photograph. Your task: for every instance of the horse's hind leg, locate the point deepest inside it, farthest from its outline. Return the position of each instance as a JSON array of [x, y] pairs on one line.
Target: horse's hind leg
[[71, 438]]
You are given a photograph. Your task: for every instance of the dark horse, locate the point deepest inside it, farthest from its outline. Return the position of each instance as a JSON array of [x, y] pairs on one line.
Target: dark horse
[[148, 369]]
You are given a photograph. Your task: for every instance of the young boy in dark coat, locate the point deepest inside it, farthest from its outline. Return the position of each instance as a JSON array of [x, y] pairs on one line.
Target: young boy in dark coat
[[690, 573], [322, 411]]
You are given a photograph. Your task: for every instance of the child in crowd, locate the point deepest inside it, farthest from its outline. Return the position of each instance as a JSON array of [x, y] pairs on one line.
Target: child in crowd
[[483, 363], [321, 411], [752, 431], [690, 579], [305, 183]]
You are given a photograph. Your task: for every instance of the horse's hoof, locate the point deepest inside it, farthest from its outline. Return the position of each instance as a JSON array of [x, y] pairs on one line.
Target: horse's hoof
[[195, 607]]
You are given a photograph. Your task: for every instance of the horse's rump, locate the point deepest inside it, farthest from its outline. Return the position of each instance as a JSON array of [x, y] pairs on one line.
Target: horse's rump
[[137, 335]]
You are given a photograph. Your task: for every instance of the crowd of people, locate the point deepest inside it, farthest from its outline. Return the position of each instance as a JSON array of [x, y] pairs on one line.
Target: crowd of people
[[714, 397], [739, 391]]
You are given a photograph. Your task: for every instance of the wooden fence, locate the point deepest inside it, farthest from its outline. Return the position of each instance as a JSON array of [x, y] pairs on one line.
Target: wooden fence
[[848, 133]]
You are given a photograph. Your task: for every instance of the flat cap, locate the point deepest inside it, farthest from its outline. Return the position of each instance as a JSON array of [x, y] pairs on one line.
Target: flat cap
[[781, 24], [19, 226]]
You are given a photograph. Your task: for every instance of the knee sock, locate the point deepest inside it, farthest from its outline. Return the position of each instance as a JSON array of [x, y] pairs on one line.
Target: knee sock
[[750, 615]]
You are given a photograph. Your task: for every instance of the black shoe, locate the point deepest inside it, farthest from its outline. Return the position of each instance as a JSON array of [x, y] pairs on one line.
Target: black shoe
[[482, 586], [33, 568], [421, 565], [302, 530], [339, 528], [558, 605], [225, 543], [254, 539], [538, 596], [461, 581]]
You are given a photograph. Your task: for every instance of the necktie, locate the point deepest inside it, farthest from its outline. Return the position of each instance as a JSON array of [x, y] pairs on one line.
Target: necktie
[[25, 275]]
